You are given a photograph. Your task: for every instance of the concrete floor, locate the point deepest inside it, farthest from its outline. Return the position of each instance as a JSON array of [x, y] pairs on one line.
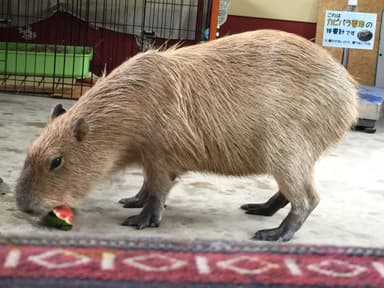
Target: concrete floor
[[350, 180]]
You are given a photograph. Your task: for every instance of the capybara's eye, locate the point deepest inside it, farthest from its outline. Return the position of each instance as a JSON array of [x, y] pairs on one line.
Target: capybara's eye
[[55, 163]]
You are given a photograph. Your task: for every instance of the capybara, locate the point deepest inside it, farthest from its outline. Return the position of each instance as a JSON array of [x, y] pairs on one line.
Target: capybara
[[262, 102]]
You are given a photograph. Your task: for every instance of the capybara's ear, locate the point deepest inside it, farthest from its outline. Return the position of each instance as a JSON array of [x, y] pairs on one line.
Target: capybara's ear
[[57, 111], [79, 129]]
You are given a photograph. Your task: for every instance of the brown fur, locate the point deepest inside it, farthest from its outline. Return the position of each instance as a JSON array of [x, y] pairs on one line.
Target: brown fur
[[263, 102]]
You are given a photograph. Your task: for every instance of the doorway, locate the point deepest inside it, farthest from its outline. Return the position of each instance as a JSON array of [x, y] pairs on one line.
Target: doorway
[[380, 58]]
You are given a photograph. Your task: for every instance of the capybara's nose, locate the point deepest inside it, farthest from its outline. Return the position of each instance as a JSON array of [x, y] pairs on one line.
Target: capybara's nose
[[23, 191], [28, 211], [23, 206], [23, 202]]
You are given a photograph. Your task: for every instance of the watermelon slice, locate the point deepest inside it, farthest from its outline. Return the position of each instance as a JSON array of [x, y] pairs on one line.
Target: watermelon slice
[[60, 217]]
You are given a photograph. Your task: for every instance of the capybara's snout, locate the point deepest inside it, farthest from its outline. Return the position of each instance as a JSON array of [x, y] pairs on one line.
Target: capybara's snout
[[24, 195]]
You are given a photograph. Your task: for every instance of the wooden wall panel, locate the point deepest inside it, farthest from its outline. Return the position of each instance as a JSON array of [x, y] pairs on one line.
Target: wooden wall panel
[[238, 24], [362, 63]]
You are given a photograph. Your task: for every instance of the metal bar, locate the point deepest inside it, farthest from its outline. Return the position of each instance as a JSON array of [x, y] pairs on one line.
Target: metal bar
[[199, 20], [351, 7]]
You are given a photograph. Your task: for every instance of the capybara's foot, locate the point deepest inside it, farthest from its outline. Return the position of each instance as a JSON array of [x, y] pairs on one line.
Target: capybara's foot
[[138, 200], [291, 223], [142, 221], [268, 208], [150, 216], [132, 202], [284, 233]]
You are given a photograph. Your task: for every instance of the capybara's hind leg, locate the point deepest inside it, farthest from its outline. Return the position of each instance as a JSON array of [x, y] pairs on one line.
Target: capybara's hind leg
[[268, 208], [138, 200], [157, 185], [303, 198]]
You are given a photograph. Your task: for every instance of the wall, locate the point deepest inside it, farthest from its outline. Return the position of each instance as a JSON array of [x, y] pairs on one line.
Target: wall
[[362, 63], [291, 10], [296, 16]]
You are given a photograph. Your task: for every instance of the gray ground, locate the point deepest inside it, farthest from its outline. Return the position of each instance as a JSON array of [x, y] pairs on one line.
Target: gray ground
[[350, 180]]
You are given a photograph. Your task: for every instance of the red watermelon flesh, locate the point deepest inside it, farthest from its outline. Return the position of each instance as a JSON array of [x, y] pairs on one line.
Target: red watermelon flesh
[[64, 213], [59, 217]]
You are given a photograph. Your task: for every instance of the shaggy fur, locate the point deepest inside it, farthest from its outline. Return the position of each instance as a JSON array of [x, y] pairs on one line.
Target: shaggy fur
[[263, 102]]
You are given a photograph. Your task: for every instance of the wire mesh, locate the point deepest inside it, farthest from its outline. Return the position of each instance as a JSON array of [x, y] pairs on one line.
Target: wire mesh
[[60, 47]]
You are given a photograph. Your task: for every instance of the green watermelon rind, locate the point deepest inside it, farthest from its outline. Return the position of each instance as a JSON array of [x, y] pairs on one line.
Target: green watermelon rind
[[51, 220]]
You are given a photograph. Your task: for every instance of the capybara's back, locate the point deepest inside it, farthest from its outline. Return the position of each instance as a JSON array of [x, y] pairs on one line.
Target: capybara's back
[[266, 97], [263, 102]]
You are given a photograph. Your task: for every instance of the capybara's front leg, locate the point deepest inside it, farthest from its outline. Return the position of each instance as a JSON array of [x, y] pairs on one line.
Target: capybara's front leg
[[138, 200], [268, 208], [150, 216], [303, 198], [141, 197], [157, 186]]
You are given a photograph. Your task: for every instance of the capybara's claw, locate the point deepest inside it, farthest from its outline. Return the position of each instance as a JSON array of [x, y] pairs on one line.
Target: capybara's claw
[[245, 206], [267, 235], [277, 234], [257, 209], [149, 217], [133, 205], [137, 221], [262, 211], [141, 221], [268, 208], [124, 200], [132, 202]]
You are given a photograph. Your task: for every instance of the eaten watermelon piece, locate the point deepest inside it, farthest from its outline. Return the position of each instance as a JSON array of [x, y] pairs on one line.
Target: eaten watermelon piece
[[60, 217]]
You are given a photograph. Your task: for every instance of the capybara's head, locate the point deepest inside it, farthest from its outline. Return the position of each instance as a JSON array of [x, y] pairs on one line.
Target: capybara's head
[[53, 169]]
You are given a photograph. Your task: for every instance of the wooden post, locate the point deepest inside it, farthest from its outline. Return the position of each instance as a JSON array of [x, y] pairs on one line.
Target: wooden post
[[214, 19]]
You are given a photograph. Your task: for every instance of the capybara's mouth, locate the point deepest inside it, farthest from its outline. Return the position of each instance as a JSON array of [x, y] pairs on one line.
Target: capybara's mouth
[[33, 208], [35, 212]]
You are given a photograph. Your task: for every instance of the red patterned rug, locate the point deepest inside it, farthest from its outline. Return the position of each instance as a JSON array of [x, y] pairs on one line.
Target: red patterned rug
[[37, 262]]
